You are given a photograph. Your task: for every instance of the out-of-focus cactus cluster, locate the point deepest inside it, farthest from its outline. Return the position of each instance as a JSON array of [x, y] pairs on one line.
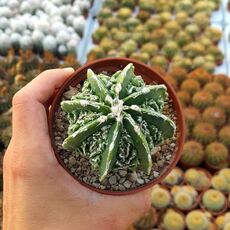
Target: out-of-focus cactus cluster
[[56, 26], [16, 72], [161, 33]]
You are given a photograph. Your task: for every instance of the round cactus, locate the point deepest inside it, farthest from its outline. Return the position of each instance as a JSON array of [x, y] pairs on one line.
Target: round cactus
[[172, 220], [160, 198], [214, 115], [175, 177], [183, 200], [152, 24], [143, 15], [128, 3], [219, 183], [170, 49], [196, 220], [224, 135], [160, 61], [216, 154], [202, 100], [150, 48], [159, 36], [225, 173], [184, 97], [128, 47], [190, 190], [227, 226], [179, 74], [192, 116], [193, 154], [182, 18], [213, 200], [106, 107], [147, 221], [183, 38], [171, 81], [192, 176], [223, 101], [192, 29], [143, 57], [214, 88], [100, 33], [124, 13], [204, 133], [96, 53], [222, 79], [191, 86], [219, 221], [172, 27]]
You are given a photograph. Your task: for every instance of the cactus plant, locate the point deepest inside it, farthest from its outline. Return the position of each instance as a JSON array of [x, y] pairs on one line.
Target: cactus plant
[[175, 177], [170, 49], [222, 79], [214, 88], [128, 47], [197, 178], [160, 61], [112, 103], [171, 81], [225, 173], [184, 97], [202, 100], [147, 221], [224, 135], [96, 53], [204, 133], [196, 220], [223, 101], [100, 33], [173, 220], [213, 200], [143, 15], [191, 86], [192, 116], [219, 183], [219, 221], [179, 74], [143, 57], [215, 116], [150, 48], [160, 198], [216, 154], [128, 3], [183, 200], [192, 154]]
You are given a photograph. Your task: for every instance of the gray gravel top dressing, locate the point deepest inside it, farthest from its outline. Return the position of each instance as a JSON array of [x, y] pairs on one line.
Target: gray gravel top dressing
[[120, 180]]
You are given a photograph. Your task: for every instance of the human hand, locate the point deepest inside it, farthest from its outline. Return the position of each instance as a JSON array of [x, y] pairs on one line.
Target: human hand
[[38, 193]]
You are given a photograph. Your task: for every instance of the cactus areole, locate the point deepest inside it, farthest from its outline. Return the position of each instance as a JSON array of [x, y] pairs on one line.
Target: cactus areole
[[127, 111]]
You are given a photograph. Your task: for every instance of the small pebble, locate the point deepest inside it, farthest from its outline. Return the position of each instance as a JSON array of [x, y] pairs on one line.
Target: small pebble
[[127, 184], [113, 180], [155, 174], [72, 160], [133, 177], [123, 173], [140, 181], [122, 180]]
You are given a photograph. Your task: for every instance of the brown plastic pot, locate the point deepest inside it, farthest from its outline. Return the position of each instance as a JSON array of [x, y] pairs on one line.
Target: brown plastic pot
[[218, 213], [112, 65]]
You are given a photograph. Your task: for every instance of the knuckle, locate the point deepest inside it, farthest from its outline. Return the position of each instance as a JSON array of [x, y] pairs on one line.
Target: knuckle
[[19, 98]]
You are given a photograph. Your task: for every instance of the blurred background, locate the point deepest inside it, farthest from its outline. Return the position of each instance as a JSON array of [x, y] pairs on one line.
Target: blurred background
[[187, 41]]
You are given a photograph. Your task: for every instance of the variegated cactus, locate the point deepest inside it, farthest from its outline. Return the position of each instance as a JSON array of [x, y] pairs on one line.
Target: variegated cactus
[[117, 121]]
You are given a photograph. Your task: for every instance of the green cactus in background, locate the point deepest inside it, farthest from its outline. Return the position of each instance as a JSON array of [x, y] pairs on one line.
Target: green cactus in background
[[160, 198], [219, 183], [215, 154], [202, 99], [204, 133], [191, 86], [213, 200], [192, 154], [192, 116], [214, 88], [148, 221], [173, 220], [126, 112], [215, 116], [175, 177], [183, 200], [196, 220], [225, 173]]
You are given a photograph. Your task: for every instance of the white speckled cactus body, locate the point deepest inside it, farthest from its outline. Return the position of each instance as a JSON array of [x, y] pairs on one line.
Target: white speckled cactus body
[[117, 121]]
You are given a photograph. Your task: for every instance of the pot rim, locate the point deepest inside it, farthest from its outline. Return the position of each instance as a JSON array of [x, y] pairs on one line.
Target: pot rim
[[152, 77]]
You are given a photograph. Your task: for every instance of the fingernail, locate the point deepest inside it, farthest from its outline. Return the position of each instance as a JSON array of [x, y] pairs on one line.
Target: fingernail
[[69, 69]]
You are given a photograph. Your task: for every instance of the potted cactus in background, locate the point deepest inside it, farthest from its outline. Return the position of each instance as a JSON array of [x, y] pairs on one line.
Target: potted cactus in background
[[117, 125]]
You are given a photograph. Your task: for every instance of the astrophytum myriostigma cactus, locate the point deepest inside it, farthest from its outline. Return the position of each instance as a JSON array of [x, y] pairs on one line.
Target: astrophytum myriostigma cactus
[[116, 121]]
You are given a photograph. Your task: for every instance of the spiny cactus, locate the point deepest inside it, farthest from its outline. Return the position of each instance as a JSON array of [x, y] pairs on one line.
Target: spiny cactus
[[175, 177], [215, 154], [184, 97], [219, 221], [219, 183], [192, 154], [223, 101], [222, 79], [202, 99], [225, 173], [171, 81], [215, 116], [183, 200], [160, 198], [173, 220], [196, 220], [192, 116], [213, 200], [125, 111], [179, 74], [214, 88], [204, 132], [191, 86], [148, 221], [224, 135]]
